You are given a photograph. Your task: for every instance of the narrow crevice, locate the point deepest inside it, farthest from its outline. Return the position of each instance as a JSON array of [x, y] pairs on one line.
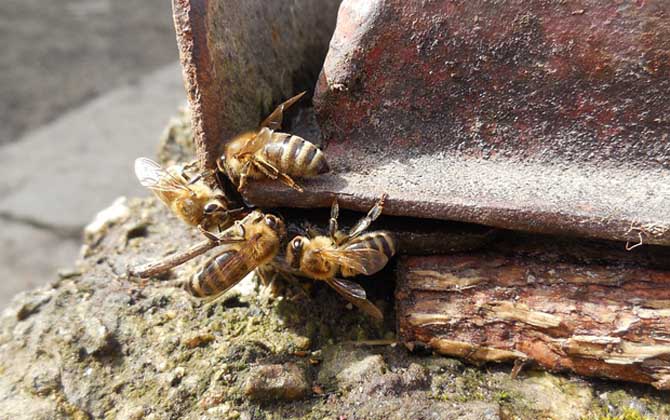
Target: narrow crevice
[[63, 232]]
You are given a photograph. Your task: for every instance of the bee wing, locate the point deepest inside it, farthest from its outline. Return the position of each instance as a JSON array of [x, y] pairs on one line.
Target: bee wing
[[255, 141], [365, 261], [237, 264], [355, 294], [267, 274], [274, 120], [153, 176]]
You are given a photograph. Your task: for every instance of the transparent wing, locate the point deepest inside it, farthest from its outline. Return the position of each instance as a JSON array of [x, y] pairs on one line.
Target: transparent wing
[[274, 120], [236, 267], [355, 294], [243, 256], [267, 274], [255, 141], [360, 260], [153, 176]]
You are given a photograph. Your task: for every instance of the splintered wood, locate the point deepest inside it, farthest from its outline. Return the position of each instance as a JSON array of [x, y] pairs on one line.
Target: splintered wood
[[603, 321]]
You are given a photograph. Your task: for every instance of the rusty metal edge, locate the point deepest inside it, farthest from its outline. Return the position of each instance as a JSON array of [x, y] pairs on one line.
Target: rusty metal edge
[[318, 194], [191, 30]]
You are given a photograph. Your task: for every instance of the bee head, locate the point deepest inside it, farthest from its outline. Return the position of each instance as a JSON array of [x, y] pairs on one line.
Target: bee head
[[213, 207], [294, 251], [221, 163], [275, 223]]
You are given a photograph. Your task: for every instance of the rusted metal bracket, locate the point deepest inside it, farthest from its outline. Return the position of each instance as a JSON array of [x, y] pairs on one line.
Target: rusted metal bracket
[[241, 57], [519, 115]]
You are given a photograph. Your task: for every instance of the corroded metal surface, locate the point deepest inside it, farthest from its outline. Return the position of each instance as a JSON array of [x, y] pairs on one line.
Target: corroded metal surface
[[240, 58], [546, 117]]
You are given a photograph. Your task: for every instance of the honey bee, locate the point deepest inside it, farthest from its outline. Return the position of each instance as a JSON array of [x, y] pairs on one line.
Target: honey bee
[[343, 254], [251, 243], [266, 153], [191, 199]]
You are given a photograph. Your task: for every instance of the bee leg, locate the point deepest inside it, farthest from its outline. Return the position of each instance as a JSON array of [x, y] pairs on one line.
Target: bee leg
[[192, 180], [271, 172], [311, 231], [265, 277], [209, 235], [190, 165], [290, 182], [222, 198], [365, 222], [184, 173], [287, 180], [229, 235], [244, 173], [243, 183], [224, 237], [264, 167], [332, 223], [237, 210]]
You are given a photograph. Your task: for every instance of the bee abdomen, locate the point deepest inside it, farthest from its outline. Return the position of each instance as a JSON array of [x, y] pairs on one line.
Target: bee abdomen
[[217, 276], [295, 156], [381, 241]]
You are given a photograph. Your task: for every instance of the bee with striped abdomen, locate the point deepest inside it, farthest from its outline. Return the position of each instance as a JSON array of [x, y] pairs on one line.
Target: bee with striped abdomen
[[266, 153], [251, 243], [189, 198], [343, 254]]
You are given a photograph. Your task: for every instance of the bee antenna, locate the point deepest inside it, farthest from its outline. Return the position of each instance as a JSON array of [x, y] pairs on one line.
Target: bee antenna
[[278, 214], [247, 204]]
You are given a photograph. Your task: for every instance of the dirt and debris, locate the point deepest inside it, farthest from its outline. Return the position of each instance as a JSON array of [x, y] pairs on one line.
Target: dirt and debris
[[276, 382], [176, 141]]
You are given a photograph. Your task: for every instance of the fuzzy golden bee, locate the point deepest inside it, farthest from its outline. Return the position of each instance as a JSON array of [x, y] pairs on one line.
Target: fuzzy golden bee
[[345, 254], [189, 198], [266, 153], [251, 243]]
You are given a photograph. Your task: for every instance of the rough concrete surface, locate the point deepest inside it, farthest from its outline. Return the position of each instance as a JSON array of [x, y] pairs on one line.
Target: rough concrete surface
[[59, 54], [57, 177]]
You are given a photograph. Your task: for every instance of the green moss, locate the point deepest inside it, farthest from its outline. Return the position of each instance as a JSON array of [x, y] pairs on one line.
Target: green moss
[[69, 409], [503, 397], [627, 414]]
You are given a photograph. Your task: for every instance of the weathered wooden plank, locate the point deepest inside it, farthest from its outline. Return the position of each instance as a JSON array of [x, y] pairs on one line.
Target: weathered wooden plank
[[596, 320]]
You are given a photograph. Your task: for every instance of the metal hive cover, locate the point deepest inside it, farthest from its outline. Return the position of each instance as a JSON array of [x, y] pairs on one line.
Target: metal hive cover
[[518, 115]]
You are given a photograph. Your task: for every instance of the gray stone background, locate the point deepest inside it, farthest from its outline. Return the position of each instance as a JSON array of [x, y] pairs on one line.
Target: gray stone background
[[86, 86]]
